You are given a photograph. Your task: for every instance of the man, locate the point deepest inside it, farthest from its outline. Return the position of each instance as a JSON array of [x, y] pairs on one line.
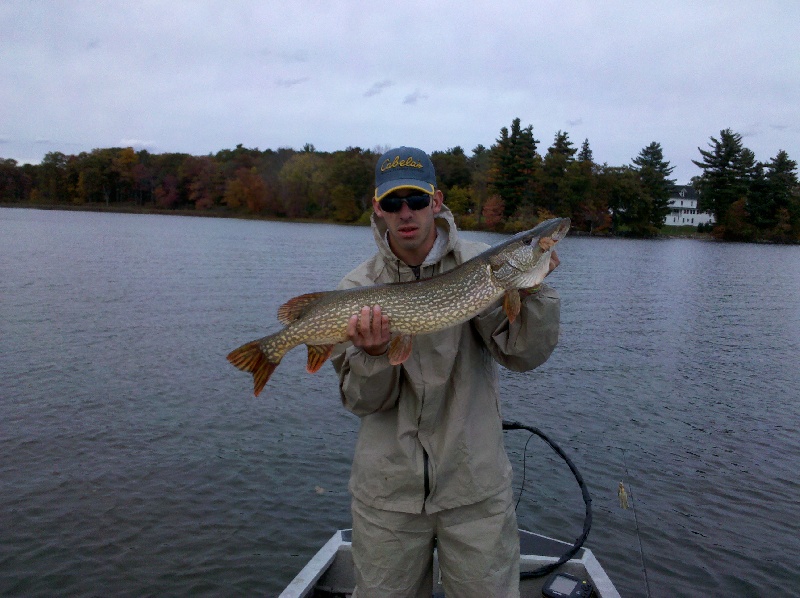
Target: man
[[430, 466]]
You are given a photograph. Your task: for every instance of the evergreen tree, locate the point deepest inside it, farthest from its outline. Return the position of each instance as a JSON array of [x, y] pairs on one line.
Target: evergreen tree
[[480, 167], [782, 179], [585, 155], [773, 201], [452, 169], [654, 174], [630, 206], [727, 173], [587, 213], [514, 157], [760, 206], [555, 182]]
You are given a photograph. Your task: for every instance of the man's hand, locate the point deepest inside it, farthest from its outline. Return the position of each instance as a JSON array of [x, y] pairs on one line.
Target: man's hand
[[369, 330], [554, 261]]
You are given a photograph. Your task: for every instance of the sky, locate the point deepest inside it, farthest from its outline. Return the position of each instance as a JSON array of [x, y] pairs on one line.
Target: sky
[[201, 76]]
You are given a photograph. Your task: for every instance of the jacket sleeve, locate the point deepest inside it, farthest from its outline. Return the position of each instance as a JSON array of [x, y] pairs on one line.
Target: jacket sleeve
[[367, 383], [529, 341]]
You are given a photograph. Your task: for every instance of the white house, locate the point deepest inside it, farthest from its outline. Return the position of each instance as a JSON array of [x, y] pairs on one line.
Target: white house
[[683, 208]]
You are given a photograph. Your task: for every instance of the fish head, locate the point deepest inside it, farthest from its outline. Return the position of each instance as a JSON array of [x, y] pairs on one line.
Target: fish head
[[524, 260]]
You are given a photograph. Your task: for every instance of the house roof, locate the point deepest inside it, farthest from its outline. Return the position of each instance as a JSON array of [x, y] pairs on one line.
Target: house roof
[[683, 192]]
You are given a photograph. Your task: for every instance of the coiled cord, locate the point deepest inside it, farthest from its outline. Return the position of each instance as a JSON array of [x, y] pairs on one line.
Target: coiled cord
[[587, 499]]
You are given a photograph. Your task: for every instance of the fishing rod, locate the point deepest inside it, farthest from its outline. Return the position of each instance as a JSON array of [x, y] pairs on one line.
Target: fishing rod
[[587, 499]]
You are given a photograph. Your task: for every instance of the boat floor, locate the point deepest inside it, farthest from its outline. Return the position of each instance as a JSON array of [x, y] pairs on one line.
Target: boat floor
[[330, 573]]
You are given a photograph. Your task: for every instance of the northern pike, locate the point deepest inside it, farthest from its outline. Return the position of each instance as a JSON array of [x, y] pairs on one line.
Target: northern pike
[[320, 319]]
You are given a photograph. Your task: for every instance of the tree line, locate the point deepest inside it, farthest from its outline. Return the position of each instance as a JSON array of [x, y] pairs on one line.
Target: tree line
[[506, 187]]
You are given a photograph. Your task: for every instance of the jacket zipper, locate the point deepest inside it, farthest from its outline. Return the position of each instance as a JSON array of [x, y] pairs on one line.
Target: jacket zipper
[[417, 271]]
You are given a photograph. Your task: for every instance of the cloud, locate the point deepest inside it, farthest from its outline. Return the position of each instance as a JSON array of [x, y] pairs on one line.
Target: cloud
[[291, 82], [413, 98], [377, 88], [752, 130]]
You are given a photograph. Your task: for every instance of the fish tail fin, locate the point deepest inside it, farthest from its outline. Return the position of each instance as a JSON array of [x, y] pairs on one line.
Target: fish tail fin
[[251, 358]]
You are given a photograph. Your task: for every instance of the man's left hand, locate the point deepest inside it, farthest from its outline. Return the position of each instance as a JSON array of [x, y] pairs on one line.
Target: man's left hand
[[554, 261]]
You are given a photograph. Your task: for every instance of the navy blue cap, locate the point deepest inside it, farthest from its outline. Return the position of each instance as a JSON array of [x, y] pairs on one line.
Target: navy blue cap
[[404, 168]]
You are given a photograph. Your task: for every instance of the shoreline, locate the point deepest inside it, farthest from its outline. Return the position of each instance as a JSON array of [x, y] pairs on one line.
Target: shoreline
[[134, 209]]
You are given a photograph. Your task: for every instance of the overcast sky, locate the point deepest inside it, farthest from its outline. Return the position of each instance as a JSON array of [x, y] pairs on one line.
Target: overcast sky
[[201, 76]]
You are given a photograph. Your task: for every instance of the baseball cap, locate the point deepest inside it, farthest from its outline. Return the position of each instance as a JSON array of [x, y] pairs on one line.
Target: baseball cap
[[404, 168]]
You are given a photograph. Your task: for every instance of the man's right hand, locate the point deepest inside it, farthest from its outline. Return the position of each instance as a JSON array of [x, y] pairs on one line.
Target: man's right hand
[[369, 330]]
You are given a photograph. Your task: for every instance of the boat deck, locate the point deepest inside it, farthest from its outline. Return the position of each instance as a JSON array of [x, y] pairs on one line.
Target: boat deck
[[330, 573]]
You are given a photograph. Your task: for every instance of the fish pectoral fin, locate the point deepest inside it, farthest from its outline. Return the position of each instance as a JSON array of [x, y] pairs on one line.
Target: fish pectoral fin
[[400, 348], [295, 307], [496, 262], [511, 304], [317, 355], [250, 358]]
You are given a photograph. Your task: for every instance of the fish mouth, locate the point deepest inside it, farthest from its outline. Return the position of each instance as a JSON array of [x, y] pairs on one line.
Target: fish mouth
[[555, 229]]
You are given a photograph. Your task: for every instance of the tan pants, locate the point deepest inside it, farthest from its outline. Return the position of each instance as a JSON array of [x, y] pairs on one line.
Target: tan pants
[[478, 549]]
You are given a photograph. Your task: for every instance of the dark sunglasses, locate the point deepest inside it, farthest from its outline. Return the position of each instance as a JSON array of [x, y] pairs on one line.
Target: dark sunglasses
[[393, 204]]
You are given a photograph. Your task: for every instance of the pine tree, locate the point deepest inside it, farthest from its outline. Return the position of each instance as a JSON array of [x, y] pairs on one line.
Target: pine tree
[[555, 182], [514, 158], [585, 155], [773, 201], [727, 173], [654, 174]]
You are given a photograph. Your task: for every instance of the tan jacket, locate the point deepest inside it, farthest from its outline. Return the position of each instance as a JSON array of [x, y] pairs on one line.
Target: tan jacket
[[440, 410]]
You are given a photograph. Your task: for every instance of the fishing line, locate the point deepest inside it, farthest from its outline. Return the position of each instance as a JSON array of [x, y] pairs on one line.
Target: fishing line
[[636, 522], [587, 499]]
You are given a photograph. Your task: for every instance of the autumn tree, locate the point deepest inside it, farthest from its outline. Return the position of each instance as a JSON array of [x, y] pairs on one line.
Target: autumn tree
[[304, 191], [493, 212], [246, 189], [200, 177], [351, 179]]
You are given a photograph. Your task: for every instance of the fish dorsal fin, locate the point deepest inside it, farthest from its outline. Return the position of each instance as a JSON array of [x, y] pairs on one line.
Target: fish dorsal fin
[[317, 355], [512, 304], [400, 348], [295, 307]]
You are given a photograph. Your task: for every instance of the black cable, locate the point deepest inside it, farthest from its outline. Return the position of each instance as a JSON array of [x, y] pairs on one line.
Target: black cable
[[587, 499]]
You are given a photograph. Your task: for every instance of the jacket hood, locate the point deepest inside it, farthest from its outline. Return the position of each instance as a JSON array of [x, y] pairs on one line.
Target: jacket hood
[[446, 237]]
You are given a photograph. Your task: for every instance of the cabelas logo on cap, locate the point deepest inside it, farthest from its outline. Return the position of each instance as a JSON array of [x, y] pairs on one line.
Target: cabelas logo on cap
[[404, 168], [397, 163]]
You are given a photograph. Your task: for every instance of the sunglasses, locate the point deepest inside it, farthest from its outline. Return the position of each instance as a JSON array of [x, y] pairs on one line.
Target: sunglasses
[[393, 204]]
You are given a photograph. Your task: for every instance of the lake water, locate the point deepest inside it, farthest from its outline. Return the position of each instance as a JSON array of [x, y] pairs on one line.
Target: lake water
[[134, 459]]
